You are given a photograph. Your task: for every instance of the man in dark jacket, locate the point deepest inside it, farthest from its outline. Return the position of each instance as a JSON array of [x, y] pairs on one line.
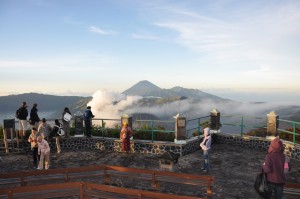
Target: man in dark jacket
[[88, 115], [274, 168], [34, 117], [22, 114]]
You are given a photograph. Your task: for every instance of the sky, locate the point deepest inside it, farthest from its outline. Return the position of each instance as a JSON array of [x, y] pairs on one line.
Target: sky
[[245, 50]]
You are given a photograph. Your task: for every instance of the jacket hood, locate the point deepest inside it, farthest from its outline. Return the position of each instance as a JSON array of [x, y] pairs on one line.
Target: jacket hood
[[276, 146]]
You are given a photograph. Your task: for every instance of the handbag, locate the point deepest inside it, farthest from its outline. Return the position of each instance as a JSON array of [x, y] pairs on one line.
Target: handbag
[[261, 185]]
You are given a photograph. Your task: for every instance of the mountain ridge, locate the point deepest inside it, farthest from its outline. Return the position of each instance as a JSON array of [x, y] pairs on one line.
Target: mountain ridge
[[153, 97]]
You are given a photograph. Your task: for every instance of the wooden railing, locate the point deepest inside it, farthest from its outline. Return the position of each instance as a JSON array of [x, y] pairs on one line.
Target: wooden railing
[[107, 175], [83, 190]]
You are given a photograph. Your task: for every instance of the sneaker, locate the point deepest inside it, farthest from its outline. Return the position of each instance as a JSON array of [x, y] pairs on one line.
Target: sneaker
[[39, 168], [205, 171], [202, 168]]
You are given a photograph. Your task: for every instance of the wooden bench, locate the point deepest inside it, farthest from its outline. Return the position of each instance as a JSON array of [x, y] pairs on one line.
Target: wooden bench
[[83, 190], [107, 175], [292, 189]]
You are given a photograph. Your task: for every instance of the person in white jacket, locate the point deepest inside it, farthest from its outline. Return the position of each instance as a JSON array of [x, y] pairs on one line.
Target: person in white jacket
[[44, 152], [205, 145]]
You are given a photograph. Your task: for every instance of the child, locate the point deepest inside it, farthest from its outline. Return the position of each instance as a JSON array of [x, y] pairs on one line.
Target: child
[[44, 152], [34, 146]]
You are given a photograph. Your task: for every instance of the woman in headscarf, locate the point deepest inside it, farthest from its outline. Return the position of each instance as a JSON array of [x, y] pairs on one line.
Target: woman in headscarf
[[274, 168], [205, 145], [125, 136]]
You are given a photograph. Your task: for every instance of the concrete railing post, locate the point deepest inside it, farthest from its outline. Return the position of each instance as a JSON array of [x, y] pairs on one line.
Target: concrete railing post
[[215, 123], [180, 130], [9, 134], [272, 124], [78, 122]]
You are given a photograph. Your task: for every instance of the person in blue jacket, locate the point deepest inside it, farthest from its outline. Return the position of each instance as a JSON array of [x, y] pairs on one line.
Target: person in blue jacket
[[88, 115]]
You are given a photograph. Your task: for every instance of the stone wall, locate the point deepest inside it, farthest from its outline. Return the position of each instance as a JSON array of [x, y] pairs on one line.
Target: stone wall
[[137, 146], [291, 149], [192, 145]]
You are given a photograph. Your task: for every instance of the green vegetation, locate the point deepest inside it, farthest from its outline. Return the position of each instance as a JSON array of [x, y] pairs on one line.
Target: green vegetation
[[262, 132]]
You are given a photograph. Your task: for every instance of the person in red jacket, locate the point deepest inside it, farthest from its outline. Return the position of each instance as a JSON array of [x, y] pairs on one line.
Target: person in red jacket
[[274, 168]]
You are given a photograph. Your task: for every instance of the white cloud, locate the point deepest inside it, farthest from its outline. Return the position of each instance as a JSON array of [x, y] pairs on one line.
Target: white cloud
[[145, 36], [102, 31]]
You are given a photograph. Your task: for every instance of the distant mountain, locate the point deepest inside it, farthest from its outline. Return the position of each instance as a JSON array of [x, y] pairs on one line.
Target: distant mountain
[[148, 89], [156, 103], [45, 102], [143, 88]]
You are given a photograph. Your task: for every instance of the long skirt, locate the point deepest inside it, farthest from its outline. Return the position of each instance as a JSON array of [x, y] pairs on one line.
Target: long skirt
[[126, 144]]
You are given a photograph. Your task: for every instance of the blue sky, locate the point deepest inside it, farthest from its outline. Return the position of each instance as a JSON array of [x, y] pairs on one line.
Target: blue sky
[[77, 47]]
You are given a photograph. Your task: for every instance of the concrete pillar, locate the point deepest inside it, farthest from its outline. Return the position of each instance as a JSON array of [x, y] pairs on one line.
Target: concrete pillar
[[272, 124], [78, 121], [9, 134], [180, 130], [215, 123]]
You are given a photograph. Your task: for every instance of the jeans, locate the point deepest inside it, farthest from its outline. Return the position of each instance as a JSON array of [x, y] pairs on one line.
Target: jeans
[[277, 189], [206, 159]]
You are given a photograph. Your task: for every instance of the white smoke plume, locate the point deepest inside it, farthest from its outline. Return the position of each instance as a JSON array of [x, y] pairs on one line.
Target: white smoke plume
[[110, 105]]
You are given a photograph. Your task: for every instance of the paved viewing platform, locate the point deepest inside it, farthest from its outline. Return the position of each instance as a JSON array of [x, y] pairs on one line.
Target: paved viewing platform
[[233, 166]]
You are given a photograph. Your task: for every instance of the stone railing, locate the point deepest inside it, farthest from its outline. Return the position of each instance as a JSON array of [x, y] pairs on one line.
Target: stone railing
[[191, 145]]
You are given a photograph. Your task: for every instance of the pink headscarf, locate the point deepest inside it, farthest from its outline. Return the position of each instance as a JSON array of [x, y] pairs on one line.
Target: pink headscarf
[[276, 146]]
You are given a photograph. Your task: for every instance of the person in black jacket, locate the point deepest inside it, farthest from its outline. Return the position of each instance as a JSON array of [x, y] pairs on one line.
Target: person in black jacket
[[34, 117], [55, 133], [22, 114]]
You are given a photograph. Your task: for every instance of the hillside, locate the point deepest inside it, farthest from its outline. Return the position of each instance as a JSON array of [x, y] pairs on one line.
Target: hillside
[[45, 102]]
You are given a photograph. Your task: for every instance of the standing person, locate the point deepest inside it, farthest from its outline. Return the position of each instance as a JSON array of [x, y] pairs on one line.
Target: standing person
[[66, 121], [88, 115], [274, 168], [22, 114], [126, 133], [44, 152], [205, 145], [44, 129], [55, 132], [34, 146], [34, 117]]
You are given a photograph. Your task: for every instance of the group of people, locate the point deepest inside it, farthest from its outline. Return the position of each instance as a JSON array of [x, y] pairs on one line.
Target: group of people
[[41, 133], [35, 122]]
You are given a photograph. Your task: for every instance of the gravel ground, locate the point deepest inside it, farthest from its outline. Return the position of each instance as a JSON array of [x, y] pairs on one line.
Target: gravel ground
[[234, 167]]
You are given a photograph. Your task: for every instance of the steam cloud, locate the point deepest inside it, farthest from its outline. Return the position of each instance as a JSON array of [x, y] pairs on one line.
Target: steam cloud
[[112, 105]]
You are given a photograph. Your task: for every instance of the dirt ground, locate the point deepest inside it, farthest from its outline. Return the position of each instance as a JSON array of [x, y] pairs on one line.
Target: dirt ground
[[234, 167]]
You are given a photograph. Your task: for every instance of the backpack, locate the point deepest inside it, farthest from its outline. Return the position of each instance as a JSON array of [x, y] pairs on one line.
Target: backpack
[[61, 131], [86, 115], [18, 113]]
